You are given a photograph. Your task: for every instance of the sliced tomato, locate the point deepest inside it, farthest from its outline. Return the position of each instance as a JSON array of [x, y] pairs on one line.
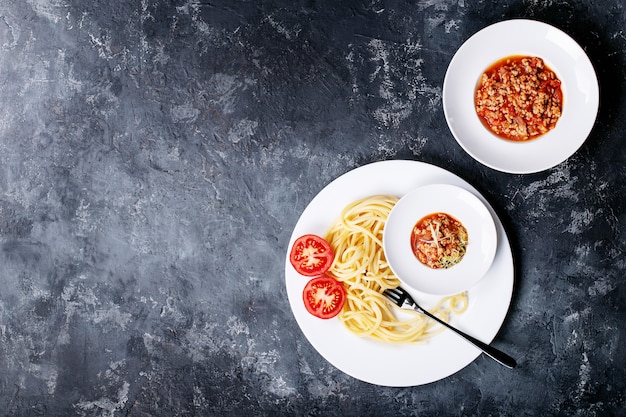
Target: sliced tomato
[[311, 255], [324, 297]]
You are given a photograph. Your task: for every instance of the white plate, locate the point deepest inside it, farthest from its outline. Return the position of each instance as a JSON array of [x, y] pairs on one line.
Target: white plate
[[562, 54], [389, 364], [463, 206]]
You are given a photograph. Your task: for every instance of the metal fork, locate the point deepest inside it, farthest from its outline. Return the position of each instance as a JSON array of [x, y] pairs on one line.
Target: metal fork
[[403, 299]]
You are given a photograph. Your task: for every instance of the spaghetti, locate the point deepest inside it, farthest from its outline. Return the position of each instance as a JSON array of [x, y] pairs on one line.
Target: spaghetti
[[360, 264]]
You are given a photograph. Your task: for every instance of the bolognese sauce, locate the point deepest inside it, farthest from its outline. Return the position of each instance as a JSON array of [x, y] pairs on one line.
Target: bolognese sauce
[[439, 240], [519, 98]]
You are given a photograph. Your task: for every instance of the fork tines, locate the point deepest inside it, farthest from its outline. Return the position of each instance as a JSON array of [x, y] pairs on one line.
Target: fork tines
[[395, 294], [389, 292]]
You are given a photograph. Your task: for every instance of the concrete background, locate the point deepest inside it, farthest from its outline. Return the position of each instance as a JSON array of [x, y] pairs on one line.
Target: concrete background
[[155, 156]]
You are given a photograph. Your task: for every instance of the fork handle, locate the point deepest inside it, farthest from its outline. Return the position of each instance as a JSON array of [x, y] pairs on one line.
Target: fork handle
[[489, 350]]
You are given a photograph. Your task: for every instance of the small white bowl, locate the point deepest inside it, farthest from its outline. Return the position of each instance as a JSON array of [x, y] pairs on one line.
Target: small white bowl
[[458, 203]]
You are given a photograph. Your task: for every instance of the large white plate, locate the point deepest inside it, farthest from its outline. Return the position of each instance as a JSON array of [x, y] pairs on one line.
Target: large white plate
[[562, 54], [390, 364]]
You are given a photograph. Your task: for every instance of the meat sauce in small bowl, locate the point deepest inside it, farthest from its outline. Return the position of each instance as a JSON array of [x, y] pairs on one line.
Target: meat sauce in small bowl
[[438, 240]]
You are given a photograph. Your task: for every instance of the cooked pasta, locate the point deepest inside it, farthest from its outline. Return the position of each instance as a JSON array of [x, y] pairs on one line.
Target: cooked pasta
[[360, 263]]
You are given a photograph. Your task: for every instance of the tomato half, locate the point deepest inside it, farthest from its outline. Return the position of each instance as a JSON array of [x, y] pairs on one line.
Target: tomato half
[[324, 297], [311, 255]]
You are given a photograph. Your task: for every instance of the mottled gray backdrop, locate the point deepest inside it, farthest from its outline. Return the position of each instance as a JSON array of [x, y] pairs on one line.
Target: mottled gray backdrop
[[155, 156]]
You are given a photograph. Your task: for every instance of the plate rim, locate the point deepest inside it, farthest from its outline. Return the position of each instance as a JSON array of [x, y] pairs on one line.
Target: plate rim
[[414, 173]]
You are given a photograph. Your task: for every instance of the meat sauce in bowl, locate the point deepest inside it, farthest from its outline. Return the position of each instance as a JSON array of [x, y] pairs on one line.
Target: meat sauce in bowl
[[519, 98], [439, 240]]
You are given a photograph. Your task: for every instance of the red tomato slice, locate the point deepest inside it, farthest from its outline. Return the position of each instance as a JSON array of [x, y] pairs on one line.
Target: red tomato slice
[[311, 255], [324, 297]]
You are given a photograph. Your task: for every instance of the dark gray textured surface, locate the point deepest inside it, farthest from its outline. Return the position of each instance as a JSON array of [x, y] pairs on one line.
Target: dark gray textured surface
[[155, 155]]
